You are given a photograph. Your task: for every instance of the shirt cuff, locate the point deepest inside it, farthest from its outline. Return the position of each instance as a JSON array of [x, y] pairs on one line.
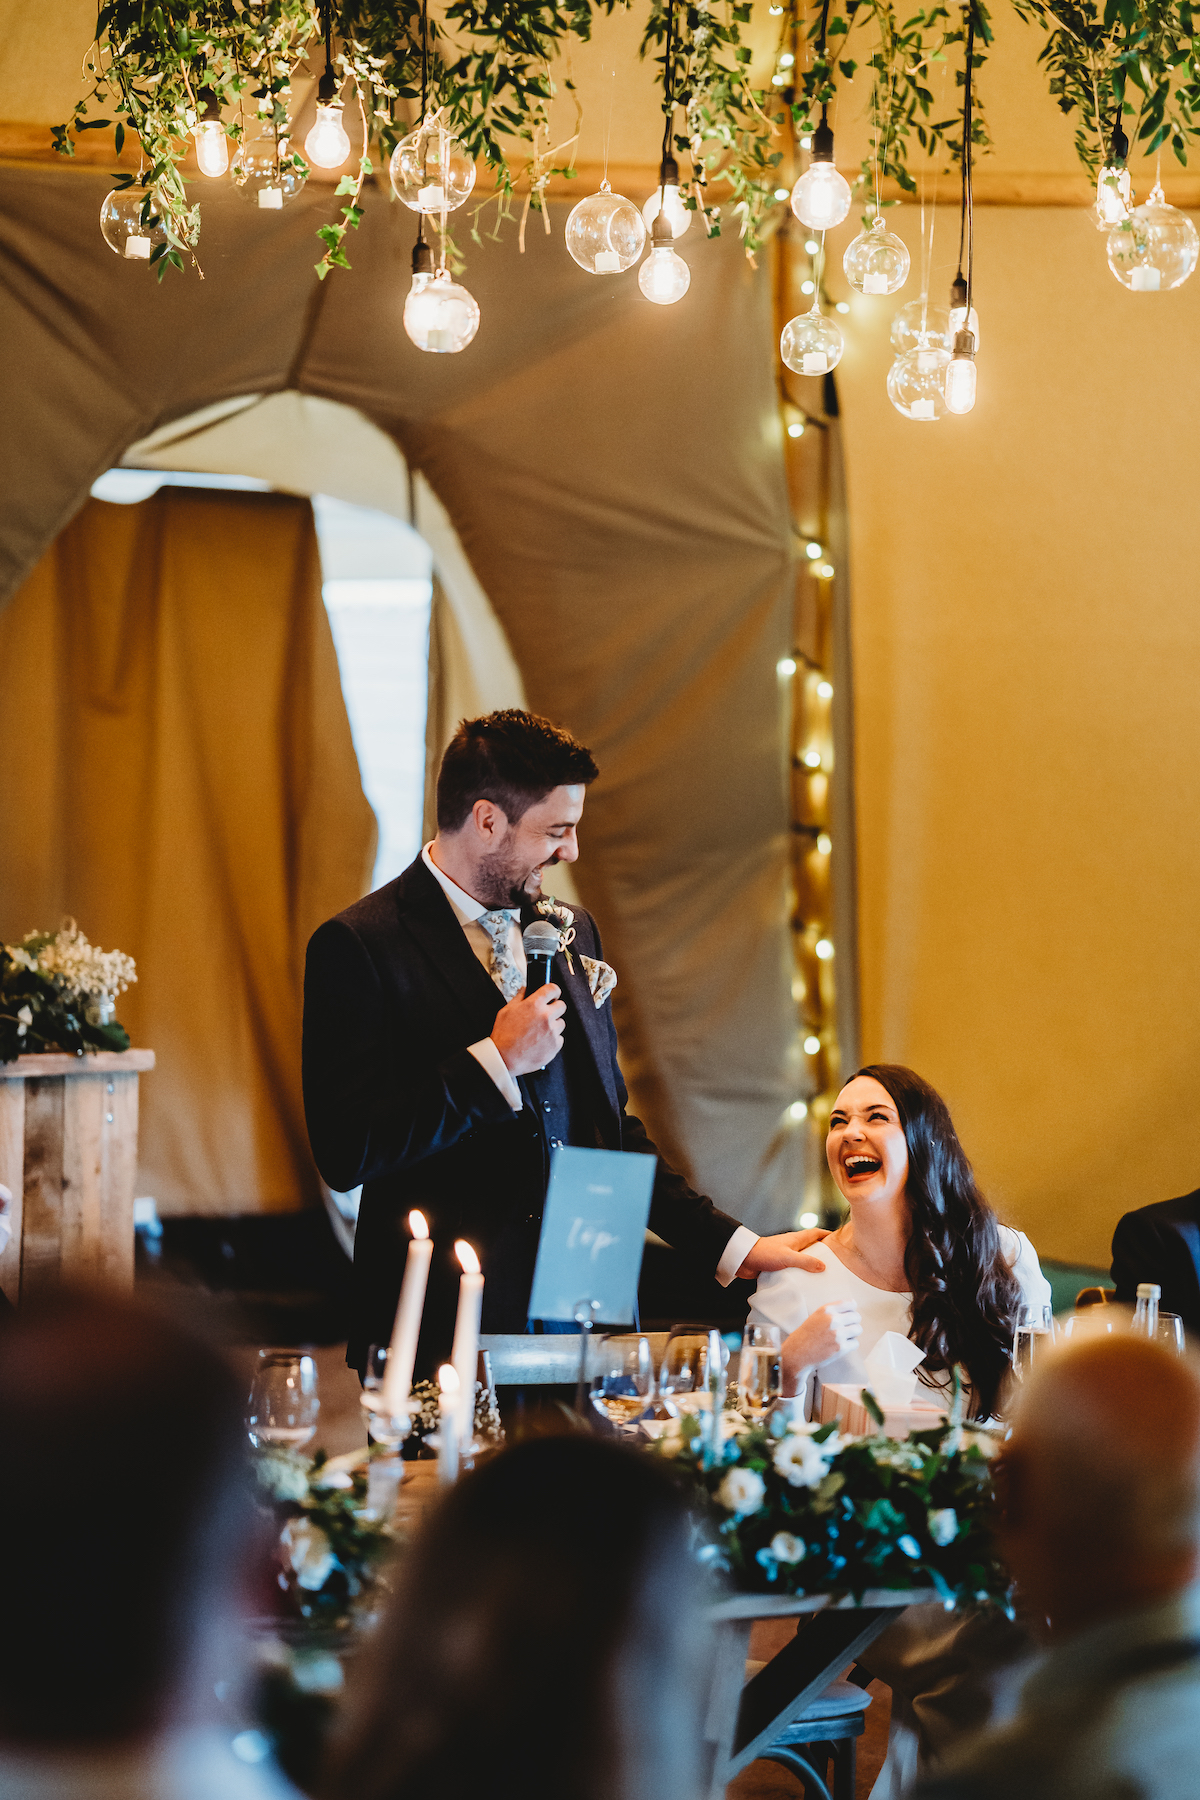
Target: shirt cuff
[[736, 1251], [490, 1059]]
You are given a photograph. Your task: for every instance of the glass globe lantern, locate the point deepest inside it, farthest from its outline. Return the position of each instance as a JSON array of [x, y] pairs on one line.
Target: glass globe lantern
[[1154, 248], [811, 344], [212, 146], [605, 233], [263, 171], [664, 277], [668, 197], [431, 171], [327, 144], [916, 382], [126, 232], [877, 262], [440, 315], [919, 324]]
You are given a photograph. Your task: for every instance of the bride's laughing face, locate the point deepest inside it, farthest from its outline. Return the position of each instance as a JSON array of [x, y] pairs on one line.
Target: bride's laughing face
[[866, 1148]]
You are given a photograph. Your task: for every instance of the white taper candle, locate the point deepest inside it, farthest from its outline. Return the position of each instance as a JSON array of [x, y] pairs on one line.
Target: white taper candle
[[402, 1353]]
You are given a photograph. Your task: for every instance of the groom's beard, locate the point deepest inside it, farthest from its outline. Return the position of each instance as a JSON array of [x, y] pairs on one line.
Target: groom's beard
[[503, 881]]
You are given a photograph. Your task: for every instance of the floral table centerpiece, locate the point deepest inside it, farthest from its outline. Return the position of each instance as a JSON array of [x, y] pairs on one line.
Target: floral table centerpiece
[[788, 1507], [58, 992]]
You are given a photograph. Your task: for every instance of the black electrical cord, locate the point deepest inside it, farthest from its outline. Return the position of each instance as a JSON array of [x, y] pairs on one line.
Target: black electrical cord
[[668, 97], [424, 58], [327, 86], [969, 194]]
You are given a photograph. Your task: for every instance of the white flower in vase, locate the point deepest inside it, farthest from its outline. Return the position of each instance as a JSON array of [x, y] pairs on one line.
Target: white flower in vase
[[741, 1492], [787, 1548], [943, 1525], [801, 1461], [309, 1553]]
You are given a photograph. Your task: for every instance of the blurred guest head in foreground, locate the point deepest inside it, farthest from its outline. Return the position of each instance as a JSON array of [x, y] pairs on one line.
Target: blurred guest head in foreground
[[543, 1641], [1102, 1531], [127, 1533], [921, 1252]]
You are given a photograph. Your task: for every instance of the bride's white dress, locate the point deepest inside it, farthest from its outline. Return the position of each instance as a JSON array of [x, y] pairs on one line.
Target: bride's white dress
[[943, 1670]]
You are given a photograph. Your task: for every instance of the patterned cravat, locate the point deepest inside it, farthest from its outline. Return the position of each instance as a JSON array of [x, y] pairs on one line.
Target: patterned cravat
[[505, 973]]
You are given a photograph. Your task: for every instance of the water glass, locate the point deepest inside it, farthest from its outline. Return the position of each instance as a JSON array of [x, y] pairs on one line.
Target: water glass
[[760, 1370], [683, 1377], [383, 1426], [1033, 1335], [622, 1378], [283, 1405], [1170, 1332]]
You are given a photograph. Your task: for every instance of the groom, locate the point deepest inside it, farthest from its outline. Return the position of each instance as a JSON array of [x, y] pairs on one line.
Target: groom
[[433, 1079]]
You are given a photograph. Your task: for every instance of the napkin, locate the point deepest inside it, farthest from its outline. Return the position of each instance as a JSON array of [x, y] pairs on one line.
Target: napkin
[[892, 1369]]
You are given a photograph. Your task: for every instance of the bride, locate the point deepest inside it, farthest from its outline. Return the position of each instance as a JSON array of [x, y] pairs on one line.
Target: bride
[[921, 1253]]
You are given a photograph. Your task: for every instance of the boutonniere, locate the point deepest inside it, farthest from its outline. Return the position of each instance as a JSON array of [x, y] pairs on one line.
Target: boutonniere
[[602, 978], [564, 918]]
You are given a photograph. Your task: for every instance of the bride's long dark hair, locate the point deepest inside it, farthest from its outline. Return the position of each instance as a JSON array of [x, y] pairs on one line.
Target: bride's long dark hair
[[965, 1298]]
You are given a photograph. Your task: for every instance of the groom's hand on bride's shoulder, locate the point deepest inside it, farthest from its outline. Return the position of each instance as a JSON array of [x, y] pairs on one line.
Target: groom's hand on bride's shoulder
[[783, 1251]]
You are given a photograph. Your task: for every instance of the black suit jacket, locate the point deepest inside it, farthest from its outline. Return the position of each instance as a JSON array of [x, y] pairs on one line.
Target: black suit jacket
[[1161, 1243], [393, 995]]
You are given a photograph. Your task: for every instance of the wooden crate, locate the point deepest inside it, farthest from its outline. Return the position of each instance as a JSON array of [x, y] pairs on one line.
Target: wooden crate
[[68, 1152]]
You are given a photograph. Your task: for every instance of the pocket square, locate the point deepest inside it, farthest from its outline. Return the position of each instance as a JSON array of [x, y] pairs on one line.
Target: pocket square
[[602, 978]]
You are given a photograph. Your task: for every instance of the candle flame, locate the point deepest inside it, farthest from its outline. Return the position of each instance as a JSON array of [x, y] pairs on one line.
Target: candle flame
[[467, 1257], [448, 1379], [417, 1225]]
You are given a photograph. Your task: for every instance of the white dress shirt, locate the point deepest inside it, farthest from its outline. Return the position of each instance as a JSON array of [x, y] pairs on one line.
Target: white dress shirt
[[468, 912]]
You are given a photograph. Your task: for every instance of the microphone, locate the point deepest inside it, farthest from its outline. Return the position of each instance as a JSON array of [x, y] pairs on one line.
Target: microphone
[[541, 941]]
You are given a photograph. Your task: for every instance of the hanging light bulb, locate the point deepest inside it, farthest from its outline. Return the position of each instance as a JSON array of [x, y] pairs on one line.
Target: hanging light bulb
[[917, 379], [1154, 248], [668, 197], [263, 170], [960, 374], [877, 261], [664, 277], [327, 143], [439, 314], [130, 223], [605, 233], [212, 145], [811, 344], [1114, 188], [920, 323], [431, 171], [821, 197], [960, 320]]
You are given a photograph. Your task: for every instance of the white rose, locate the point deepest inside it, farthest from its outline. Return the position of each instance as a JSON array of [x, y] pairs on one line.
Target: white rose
[[943, 1525], [309, 1552], [801, 1462], [786, 1548], [741, 1492], [25, 1015]]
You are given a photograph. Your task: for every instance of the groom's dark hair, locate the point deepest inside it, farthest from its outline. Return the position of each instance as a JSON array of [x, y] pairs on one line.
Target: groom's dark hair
[[511, 758]]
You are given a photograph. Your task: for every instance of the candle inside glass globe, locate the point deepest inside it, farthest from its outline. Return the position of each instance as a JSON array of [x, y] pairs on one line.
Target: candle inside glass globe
[[264, 172], [605, 233], [1154, 248], [130, 223], [431, 171], [919, 323], [327, 143], [439, 314], [821, 197], [212, 146], [916, 382], [811, 344], [877, 261]]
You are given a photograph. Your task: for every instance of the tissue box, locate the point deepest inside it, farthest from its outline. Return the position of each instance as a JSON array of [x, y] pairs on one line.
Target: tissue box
[[842, 1402]]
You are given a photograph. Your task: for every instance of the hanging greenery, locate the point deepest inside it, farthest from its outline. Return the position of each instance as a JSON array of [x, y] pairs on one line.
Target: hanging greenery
[[160, 69]]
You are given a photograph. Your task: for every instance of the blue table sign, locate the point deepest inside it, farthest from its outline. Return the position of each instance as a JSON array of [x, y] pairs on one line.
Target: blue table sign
[[593, 1234]]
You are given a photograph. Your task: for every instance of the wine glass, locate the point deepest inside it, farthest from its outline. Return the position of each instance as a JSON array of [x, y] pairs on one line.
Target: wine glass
[[683, 1377], [383, 1426], [1034, 1333], [1170, 1332], [622, 1381], [760, 1371], [283, 1405]]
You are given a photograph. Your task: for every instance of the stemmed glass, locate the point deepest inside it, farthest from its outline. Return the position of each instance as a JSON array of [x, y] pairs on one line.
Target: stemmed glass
[[683, 1378], [384, 1427], [622, 1381], [1034, 1333], [283, 1405], [1170, 1332], [760, 1370]]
